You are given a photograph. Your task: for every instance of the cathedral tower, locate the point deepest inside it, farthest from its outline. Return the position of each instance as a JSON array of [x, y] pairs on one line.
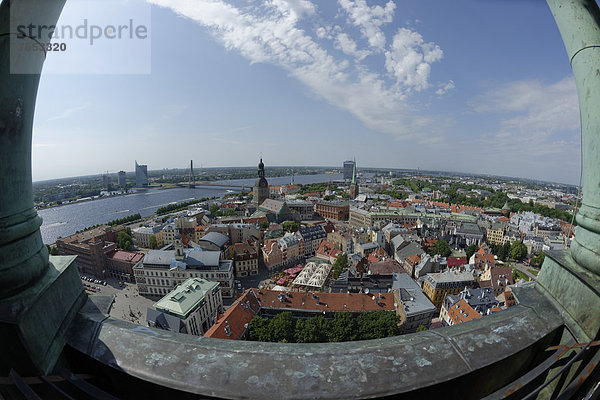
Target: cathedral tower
[[261, 186]]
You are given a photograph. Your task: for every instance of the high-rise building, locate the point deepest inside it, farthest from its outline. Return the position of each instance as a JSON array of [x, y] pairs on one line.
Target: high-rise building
[[141, 175], [354, 184], [261, 186], [348, 168], [122, 181]]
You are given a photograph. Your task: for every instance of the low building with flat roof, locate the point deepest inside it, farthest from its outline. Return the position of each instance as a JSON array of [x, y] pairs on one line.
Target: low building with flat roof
[[192, 308], [417, 307]]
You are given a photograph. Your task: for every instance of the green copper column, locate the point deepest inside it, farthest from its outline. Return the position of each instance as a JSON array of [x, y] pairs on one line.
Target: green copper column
[[579, 25], [23, 256], [39, 295], [571, 278]]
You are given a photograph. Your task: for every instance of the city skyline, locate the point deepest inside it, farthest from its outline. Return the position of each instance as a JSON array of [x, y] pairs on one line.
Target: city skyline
[[397, 85]]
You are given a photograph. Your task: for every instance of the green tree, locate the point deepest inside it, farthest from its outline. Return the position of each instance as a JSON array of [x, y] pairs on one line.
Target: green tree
[[377, 324], [214, 208], [518, 250], [440, 247], [340, 265], [471, 250], [538, 260], [264, 225], [343, 328], [152, 242], [230, 212], [504, 251], [290, 226], [124, 241], [312, 330], [421, 328], [515, 275], [282, 327], [52, 250], [258, 329]]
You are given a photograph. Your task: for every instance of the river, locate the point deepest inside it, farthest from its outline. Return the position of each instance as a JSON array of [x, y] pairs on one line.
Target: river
[[65, 220]]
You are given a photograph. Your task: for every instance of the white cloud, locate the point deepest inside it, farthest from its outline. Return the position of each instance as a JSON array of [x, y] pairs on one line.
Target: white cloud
[[370, 19], [445, 87], [533, 107], [348, 46], [534, 129], [69, 112], [269, 33], [300, 8], [409, 59]]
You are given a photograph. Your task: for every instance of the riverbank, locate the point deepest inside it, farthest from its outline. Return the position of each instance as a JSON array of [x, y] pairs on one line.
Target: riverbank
[[66, 219]]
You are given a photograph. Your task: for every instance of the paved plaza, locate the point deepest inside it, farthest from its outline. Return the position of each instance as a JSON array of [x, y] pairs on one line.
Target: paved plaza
[[128, 304]]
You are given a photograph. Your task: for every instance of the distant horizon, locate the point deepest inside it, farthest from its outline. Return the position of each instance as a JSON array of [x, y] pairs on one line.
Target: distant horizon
[[359, 168]]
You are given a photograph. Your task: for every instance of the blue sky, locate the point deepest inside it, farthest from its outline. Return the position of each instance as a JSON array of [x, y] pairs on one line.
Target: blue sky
[[478, 86]]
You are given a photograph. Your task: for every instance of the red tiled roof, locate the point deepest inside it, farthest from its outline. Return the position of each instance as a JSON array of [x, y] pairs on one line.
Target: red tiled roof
[[502, 275], [128, 256], [377, 255], [462, 312], [386, 267], [236, 316], [456, 261], [328, 302], [413, 260]]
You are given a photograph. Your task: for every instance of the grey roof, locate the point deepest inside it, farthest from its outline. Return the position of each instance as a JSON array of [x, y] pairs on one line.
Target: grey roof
[[397, 241], [424, 262], [312, 232], [216, 238], [413, 298], [159, 257], [272, 205], [469, 228], [411, 249], [148, 230], [393, 227], [197, 258], [481, 299], [450, 276], [369, 246], [164, 321]]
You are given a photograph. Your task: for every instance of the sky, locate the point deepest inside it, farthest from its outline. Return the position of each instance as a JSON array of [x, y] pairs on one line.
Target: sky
[[476, 86]]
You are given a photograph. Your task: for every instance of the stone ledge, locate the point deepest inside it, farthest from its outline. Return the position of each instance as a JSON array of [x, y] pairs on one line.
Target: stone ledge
[[493, 350]]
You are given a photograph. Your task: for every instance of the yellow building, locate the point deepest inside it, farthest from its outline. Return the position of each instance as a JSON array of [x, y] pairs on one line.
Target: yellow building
[[495, 234], [437, 285]]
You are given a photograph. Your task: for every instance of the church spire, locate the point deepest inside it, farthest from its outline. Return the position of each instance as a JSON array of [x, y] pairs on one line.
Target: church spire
[[354, 173]]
